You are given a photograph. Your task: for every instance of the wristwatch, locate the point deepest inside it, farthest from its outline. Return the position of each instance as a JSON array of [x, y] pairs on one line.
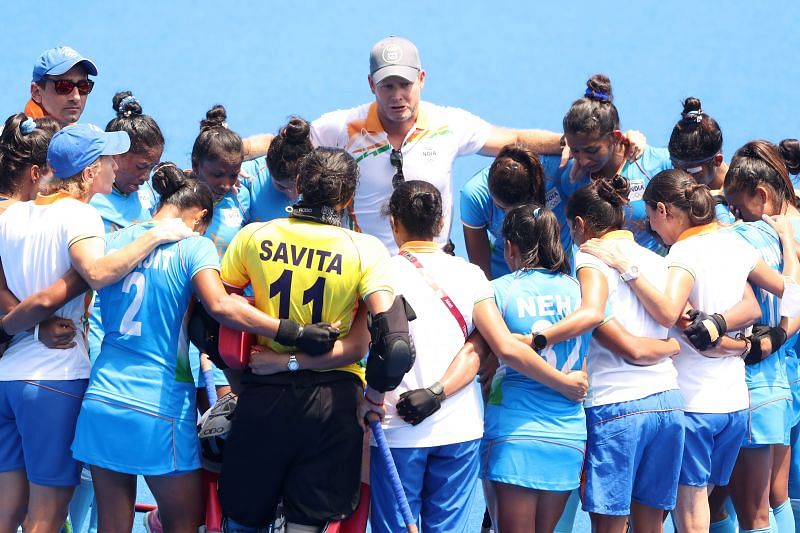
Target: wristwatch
[[293, 365], [631, 274], [539, 341]]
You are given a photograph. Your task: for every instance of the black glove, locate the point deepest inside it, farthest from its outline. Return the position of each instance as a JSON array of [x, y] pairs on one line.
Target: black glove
[[705, 330], [777, 336], [313, 339], [416, 405]]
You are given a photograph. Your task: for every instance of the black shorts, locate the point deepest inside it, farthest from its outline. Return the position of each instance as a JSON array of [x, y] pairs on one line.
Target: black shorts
[[295, 439]]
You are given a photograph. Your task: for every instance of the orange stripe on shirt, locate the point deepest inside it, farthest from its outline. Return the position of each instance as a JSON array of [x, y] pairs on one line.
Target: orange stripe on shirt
[[34, 110]]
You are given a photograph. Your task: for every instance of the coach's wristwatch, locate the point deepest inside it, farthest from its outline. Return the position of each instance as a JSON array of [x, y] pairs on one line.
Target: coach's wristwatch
[[631, 274], [293, 365]]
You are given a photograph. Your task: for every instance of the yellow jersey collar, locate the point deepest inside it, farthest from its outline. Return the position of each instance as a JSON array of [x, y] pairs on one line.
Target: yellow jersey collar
[[421, 246], [698, 230], [618, 234]]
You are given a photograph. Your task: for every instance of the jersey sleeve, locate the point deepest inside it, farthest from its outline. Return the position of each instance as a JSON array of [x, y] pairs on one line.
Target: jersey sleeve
[[482, 286], [256, 174], [680, 257], [234, 264], [375, 267], [201, 255], [330, 129], [584, 260], [471, 131], [244, 198], [499, 287], [476, 202], [658, 159], [85, 222]]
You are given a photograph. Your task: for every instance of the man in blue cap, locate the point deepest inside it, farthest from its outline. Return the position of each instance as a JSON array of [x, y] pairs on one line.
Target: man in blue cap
[[60, 85]]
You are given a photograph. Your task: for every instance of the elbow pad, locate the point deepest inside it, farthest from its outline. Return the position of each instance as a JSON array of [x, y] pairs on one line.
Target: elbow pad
[[391, 352], [203, 332]]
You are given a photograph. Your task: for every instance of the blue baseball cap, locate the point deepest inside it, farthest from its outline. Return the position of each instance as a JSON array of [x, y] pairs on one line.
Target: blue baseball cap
[[76, 147], [58, 60]]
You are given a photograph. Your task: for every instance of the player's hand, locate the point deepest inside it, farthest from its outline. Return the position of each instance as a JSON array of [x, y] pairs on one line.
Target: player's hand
[[265, 361], [312, 339], [486, 371], [367, 408], [635, 142], [566, 153], [782, 226], [607, 251], [171, 230], [765, 341], [575, 386], [705, 331], [317, 339], [58, 333], [416, 405]]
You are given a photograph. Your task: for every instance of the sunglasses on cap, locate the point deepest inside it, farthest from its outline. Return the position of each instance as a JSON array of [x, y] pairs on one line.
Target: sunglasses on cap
[[396, 159], [63, 87]]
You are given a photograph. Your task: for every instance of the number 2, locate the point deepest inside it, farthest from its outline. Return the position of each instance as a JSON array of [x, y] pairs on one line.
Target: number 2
[[129, 326], [282, 287]]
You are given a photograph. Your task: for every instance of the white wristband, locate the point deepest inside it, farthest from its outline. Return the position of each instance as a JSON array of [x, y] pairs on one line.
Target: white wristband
[[36, 332]]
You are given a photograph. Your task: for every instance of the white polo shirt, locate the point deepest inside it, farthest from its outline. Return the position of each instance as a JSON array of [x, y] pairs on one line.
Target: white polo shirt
[[34, 246], [437, 339], [439, 136], [720, 263], [611, 378]]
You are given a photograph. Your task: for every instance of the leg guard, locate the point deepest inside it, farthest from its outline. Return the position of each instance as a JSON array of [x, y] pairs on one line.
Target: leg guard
[[391, 352]]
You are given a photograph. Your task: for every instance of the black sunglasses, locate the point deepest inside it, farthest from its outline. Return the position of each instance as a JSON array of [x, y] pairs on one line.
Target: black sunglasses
[[63, 87], [396, 159]]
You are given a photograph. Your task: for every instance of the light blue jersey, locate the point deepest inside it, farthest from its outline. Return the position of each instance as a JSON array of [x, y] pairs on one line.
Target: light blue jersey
[[771, 371], [231, 212], [118, 211], [531, 300], [478, 210], [792, 344], [266, 202], [144, 360], [639, 173]]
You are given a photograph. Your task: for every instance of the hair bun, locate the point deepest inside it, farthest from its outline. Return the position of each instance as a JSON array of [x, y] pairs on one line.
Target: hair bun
[[296, 131], [697, 188], [598, 87], [215, 118], [168, 178], [790, 152], [613, 190], [692, 110], [126, 105]]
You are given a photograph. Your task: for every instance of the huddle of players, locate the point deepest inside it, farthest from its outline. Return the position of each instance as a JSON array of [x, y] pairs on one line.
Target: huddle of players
[[595, 196]]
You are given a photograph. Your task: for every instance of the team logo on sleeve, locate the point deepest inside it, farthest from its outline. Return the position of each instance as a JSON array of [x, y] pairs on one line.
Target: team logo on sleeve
[[637, 190], [144, 198], [552, 199], [232, 217]]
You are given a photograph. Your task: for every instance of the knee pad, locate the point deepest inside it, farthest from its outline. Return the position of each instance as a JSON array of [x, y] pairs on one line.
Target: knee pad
[[391, 352]]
